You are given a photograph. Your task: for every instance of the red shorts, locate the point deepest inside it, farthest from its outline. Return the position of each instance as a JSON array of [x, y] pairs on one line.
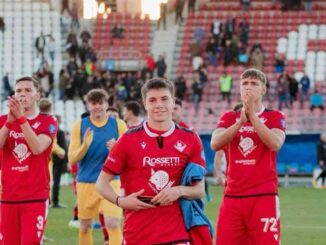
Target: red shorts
[[23, 223], [249, 221]]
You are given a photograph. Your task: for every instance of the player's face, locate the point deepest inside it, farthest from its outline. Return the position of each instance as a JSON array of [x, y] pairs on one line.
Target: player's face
[[159, 105], [97, 109], [125, 114], [176, 115], [26, 93], [254, 86]]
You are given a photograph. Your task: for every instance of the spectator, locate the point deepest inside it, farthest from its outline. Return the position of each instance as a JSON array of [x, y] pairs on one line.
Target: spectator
[[228, 54], [293, 89], [51, 48], [194, 49], [131, 114], [89, 67], [199, 35], [202, 71], [40, 45], [191, 6], [316, 101], [65, 6], [212, 51], [242, 55], [305, 86], [226, 86], [283, 91], [197, 90], [197, 62], [72, 66], [2, 25], [163, 12], [230, 25], [245, 4], [244, 29], [308, 6], [161, 66], [63, 81], [72, 44], [85, 36], [216, 28], [74, 18], [279, 63], [7, 90], [180, 87], [178, 11], [150, 63], [117, 32]]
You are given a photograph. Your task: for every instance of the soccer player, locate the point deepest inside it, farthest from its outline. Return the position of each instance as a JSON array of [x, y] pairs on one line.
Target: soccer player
[[131, 114], [177, 114], [250, 138], [88, 147], [150, 160], [26, 139]]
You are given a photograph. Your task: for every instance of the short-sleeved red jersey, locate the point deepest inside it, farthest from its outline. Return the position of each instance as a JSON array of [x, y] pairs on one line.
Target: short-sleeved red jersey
[[251, 165], [148, 160], [25, 176]]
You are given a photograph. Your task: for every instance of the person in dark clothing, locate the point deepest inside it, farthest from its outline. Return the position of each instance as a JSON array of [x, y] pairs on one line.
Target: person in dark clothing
[[59, 164], [40, 44], [321, 157], [191, 6], [180, 87], [293, 89], [161, 66], [2, 25], [65, 6], [178, 11], [7, 90], [163, 11]]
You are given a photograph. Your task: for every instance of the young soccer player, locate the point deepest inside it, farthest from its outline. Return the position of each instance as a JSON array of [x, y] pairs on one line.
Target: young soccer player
[[88, 147], [250, 138], [26, 139], [150, 160]]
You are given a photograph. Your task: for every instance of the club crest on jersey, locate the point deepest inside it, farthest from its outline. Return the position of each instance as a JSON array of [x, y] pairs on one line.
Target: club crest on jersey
[[52, 128], [21, 152], [36, 125], [159, 180], [246, 145], [143, 144], [180, 146]]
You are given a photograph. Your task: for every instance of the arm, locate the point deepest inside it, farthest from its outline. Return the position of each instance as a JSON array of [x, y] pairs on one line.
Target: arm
[[78, 150], [272, 138], [169, 195], [130, 202], [220, 177], [223, 136], [4, 131], [57, 150]]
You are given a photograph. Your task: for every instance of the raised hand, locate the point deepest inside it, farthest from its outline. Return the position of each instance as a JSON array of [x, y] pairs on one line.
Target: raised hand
[[88, 136], [15, 107]]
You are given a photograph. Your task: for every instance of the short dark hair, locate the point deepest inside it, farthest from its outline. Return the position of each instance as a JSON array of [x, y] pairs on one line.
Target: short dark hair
[[254, 73], [133, 106], [45, 105], [178, 102], [36, 82], [238, 107], [96, 96], [111, 108], [157, 83]]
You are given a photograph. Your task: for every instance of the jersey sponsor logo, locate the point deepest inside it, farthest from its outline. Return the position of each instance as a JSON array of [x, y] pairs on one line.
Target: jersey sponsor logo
[[36, 125], [246, 145], [159, 180], [111, 159], [21, 152], [16, 135], [246, 161], [180, 146], [143, 144], [162, 161], [20, 169], [247, 129]]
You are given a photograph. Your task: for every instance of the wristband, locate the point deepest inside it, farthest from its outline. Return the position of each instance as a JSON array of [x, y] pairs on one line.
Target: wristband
[[21, 120], [117, 200], [8, 125]]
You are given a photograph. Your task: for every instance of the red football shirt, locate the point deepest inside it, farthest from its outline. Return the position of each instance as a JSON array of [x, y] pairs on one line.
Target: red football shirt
[[146, 161], [251, 165], [25, 176]]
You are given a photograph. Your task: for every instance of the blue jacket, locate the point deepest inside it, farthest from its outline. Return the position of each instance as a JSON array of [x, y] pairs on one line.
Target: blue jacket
[[193, 210]]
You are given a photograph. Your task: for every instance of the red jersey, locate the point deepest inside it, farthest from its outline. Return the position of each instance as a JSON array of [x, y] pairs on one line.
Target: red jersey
[[184, 125], [25, 176], [149, 160], [251, 165]]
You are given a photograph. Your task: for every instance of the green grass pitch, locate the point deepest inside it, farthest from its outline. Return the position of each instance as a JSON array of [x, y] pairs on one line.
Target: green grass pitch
[[303, 217]]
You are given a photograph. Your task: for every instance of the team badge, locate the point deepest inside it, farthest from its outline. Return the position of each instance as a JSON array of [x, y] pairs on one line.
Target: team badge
[[180, 146], [52, 128], [246, 145], [159, 180]]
